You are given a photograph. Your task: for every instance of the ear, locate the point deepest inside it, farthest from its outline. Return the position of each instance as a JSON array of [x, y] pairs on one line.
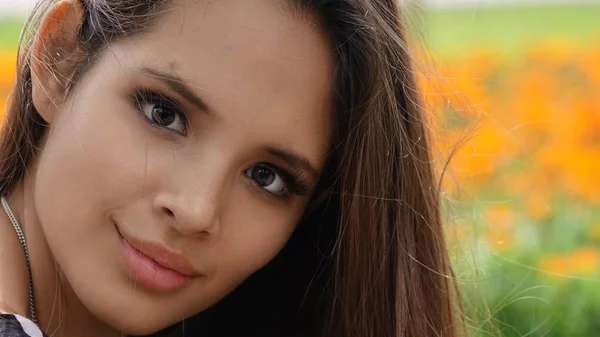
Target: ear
[[55, 54]]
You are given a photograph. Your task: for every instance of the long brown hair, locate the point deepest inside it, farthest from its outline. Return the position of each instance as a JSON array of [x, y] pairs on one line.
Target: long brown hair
[[369, 257]]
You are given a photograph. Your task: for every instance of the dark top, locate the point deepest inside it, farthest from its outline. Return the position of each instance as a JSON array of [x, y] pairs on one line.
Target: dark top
[[13, 325]]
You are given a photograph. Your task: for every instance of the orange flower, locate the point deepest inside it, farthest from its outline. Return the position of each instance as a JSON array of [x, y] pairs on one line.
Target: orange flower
[[540, 113], [584, 261], [500, 217], [8, 64], [537, 206], [589, 63], [3, 104], [2, 111], [484, 153], [556, 264], [554, 52]]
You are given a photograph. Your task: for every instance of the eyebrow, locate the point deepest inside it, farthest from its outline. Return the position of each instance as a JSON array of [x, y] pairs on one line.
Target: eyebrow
[[178, 85], [295, 161]]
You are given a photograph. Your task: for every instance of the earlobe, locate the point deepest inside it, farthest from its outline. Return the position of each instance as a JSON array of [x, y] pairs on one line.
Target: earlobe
[[55, 54]]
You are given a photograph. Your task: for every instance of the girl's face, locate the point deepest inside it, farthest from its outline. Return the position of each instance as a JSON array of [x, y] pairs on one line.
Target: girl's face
[[205, 138]]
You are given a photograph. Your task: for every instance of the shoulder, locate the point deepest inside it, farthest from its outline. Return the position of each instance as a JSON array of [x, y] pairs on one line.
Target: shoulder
[[13, 325]]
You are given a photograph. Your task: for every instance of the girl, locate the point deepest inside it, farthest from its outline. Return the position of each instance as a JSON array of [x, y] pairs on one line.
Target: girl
[[219, 168]]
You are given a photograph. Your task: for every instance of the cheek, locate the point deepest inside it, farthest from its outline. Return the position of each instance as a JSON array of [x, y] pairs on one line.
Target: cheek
[[94, 147], [255, 235], [88, 165]]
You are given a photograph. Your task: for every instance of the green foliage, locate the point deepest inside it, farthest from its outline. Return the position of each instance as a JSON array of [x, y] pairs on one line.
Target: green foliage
[[504, 29], [10, 28], [514, 299], [536, 287]]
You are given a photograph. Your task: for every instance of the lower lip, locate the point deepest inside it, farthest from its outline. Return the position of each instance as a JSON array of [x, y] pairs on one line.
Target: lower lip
[[151, 274]]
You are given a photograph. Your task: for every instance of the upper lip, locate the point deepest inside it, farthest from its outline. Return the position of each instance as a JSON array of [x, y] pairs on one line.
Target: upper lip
[[164, 256]]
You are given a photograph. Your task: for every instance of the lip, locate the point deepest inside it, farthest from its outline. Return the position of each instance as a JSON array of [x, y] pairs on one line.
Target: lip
[[155, 265], [163, 256]]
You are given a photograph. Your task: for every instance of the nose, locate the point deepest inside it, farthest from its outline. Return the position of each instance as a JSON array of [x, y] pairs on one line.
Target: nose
[[191, 211]]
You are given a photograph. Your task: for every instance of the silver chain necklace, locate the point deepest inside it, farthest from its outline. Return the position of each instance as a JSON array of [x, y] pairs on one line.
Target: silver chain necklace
[[17, 227]]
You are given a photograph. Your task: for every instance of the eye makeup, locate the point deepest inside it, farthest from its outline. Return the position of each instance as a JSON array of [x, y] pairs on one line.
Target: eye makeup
[[294, 181], [164, 109], [141, 98]]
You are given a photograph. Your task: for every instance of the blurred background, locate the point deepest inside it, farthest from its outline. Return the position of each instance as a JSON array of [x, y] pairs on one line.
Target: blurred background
[[514, 93], [513, 90]]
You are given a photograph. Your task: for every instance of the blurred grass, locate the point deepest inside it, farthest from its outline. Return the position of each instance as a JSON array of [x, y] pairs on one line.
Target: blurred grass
[[10, 28], [505, 30]]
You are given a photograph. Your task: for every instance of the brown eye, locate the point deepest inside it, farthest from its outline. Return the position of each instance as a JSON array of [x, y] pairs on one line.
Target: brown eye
[[163, 116], [161, 112], [267, 178]]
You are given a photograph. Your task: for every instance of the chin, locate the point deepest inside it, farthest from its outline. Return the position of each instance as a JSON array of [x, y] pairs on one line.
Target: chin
[[138, 322], [132, 311], [142, 329]]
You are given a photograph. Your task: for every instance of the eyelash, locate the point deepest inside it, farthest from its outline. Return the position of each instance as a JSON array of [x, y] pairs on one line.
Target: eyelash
[[294, 183], [143, 96]]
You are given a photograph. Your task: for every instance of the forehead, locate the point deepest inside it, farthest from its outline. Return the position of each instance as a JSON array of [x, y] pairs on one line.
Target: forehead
[[250, 60]]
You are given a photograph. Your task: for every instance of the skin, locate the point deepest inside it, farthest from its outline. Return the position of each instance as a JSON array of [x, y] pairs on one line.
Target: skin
[[265, 77]]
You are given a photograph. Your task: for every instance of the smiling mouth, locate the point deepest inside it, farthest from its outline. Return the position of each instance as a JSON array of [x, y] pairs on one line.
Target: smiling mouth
[[155, 266]]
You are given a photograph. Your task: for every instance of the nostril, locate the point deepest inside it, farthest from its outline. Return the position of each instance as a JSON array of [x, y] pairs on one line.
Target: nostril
[[169, 212], [187, 215]]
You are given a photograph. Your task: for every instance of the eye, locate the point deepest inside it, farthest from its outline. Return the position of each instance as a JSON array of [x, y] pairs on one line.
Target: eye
[[268, 179], [161, 111]]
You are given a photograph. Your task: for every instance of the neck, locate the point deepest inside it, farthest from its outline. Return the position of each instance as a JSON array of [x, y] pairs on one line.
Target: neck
[[59, 310]]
